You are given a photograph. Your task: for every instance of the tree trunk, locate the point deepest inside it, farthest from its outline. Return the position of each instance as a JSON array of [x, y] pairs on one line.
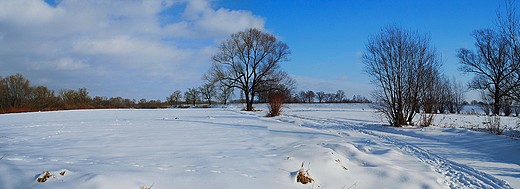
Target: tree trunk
[[496, 104], [249, 103]]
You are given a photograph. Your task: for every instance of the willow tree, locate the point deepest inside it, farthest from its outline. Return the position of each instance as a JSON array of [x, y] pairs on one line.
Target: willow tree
[[402, 64], [249, 60]]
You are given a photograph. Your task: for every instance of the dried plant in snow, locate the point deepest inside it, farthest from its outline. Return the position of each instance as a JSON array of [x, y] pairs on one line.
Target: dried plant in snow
[[303, 176]]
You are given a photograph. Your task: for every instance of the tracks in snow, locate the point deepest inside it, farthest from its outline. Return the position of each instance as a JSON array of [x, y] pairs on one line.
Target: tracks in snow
[[457, 175]]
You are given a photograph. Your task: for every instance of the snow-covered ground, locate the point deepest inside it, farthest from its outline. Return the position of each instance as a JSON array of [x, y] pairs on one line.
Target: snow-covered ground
[[341, 145]]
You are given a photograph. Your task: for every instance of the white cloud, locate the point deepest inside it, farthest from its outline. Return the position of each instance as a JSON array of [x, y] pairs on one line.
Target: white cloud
[[225, 21], [204, 22], [195, 8], [69, 64], [60, 64], [118, 41], [28, 12]]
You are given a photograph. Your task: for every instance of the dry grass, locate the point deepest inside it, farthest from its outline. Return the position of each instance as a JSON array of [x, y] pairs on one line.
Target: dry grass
[[144, 187], [426, 119], [303, 176], [46, 175], [253, 110]]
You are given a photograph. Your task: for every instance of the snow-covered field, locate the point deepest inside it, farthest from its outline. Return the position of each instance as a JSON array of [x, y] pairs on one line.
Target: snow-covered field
[[341, 145]]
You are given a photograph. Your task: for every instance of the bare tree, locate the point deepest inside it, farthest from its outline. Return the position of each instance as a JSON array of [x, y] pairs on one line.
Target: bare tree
[[192, 95], [248, 60], [302, 96], [42, 97], [320, 96], [330, 98], [431, 96], [83, 96], [506, 106], [208, 92], [491, 64], [509, 28], [400, 63], [18, 90], [224, 93], [280, 82], [174, 98], [340, 96], [458, 96], [4, 97], [73, 99], [309, 96]]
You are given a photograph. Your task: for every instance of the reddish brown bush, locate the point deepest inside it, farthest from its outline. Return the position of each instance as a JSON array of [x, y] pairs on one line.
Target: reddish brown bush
[[275, 100], [18, 110]]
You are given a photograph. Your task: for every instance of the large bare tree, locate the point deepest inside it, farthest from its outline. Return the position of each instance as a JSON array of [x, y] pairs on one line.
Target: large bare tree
[[249, 60], [492, 65], [401, 64], [508, 25]]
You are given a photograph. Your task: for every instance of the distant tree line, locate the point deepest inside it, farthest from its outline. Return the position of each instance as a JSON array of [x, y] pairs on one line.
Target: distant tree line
[[210, 94], [17, 95], [322, 97]]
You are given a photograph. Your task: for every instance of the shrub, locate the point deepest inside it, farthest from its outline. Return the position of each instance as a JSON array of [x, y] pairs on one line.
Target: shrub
[[426, 119], [492, 123], [276, 100]]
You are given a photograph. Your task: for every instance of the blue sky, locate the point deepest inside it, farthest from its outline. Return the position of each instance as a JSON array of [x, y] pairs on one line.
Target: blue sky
[[149, 48], [326, 37]]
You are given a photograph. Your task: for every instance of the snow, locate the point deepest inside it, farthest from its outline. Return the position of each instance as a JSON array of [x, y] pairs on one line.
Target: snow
[[341, 146]]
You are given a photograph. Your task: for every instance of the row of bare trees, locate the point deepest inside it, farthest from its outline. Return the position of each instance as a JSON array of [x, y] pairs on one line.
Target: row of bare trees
[[208, 92], [322, 97], [16, 94]]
